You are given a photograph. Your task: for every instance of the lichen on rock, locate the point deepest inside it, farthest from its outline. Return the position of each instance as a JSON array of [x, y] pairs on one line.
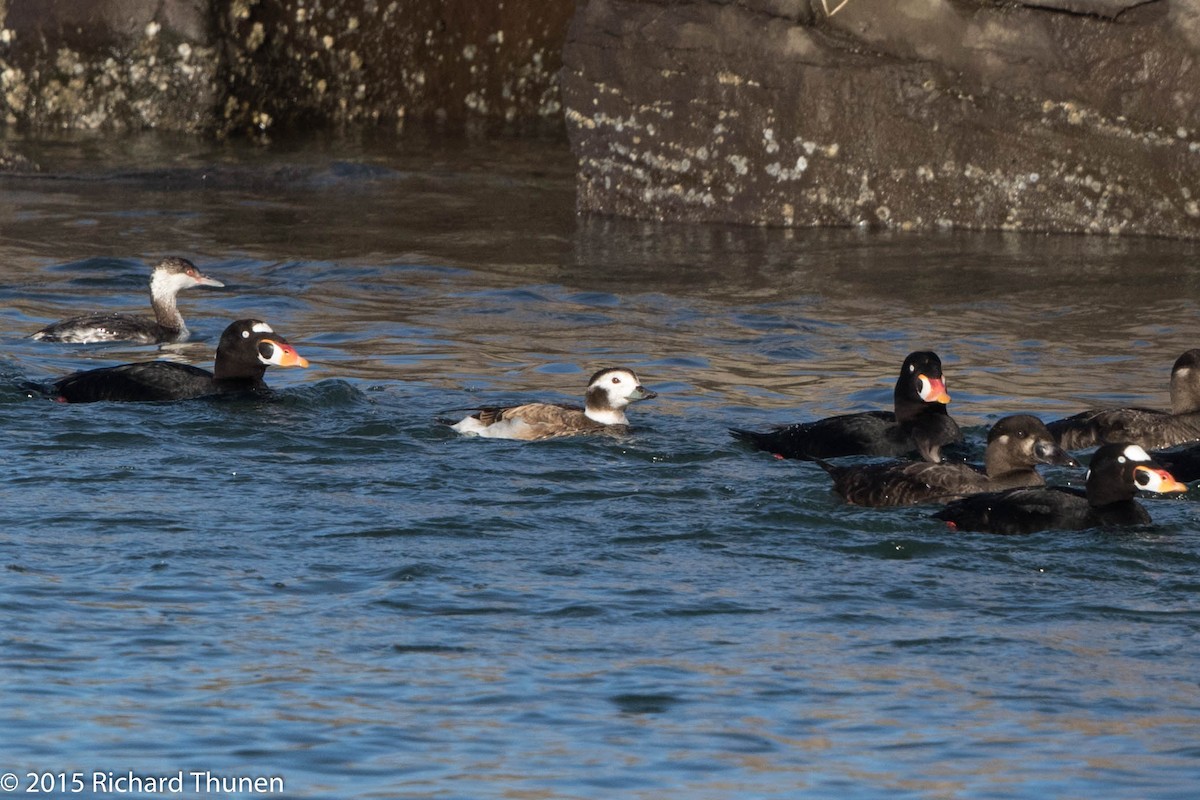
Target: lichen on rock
[[913, 115]]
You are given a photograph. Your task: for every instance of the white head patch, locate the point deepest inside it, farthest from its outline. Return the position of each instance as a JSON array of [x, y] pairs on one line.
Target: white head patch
[[258, 327], [1134, 453]]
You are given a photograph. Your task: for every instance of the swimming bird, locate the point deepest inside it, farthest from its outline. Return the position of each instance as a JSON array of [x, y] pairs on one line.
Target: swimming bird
[[1015, 446], [918, 424], [1116, 472], [170, 276], [246, 348], [609, 392], [1183, 462], [1151, 428]]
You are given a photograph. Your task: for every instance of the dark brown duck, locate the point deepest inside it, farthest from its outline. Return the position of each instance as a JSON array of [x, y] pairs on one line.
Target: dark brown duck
[[1016, 445], [918, 424], [1148, 427]]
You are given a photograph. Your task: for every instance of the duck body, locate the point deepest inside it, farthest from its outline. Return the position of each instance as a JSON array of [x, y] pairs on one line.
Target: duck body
[[169, 277], [246, 348], [868, 433], [609, 392], [919, 424], [1117, 471], [1183, 463], [1151, 428], [1016, 445]]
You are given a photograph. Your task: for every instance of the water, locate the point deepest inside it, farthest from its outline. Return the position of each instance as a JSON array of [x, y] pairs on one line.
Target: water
[[331, 588]]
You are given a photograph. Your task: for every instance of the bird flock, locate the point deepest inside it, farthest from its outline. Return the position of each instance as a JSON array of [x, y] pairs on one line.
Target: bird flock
[[1137, 449]]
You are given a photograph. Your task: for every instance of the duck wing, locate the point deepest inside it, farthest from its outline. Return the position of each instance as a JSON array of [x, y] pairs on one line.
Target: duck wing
[[872, 433], [533, 421], [1147, 427], [1019, 511], [103, 327], [902, 483], [147, 381]]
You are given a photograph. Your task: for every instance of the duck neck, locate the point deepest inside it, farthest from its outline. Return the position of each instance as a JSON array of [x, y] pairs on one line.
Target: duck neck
[[166, 313], [1183, 394], [908, 410], [1121, 512], [234, 372], [1008, 478], [606, 416], [599, 409], [997, 465]]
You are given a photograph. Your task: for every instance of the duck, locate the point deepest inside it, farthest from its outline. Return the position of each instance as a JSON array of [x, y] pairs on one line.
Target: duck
[[1151, 428], [168, 278], [609, 393], [1116, 472], [1015, 446], [919, 423], [1182, 462], [247, 347]]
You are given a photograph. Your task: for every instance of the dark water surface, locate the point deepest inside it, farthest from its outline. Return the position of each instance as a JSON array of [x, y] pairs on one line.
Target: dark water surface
[[332, 588]]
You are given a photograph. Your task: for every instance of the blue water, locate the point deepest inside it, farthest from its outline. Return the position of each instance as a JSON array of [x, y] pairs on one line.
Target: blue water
[[332, 588]]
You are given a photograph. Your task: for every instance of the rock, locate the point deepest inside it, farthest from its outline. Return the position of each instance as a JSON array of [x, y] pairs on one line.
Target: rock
[[913, 115], [296, 62], [231, 66], [89, 64]]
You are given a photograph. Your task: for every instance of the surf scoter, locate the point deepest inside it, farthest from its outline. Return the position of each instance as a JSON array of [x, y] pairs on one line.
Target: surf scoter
[[1116, 472], [170, 276], [1151, 428], [919, 423], [1015, 446], [246, 348], [609, 392]]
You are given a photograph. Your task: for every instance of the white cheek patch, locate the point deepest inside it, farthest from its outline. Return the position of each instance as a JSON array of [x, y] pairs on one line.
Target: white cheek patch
[[261, 327], [1135, 453]]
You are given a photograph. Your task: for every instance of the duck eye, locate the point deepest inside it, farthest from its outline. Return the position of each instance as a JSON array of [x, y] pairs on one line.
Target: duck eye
[[616, 380], [245, 334]]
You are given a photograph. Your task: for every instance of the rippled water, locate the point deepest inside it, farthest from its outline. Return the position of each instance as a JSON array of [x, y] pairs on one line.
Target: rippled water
[[332, 588]]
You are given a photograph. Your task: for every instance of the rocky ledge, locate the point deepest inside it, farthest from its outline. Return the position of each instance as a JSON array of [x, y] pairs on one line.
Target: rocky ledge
[[264, 66], [1059, 115]]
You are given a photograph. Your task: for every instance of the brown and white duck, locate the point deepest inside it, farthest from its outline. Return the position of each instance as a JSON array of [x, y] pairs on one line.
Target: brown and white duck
[[609, 392]]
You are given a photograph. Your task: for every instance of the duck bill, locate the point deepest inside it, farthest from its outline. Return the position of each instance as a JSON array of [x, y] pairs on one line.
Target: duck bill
[[1159, 480], [1050, 453], [204, 280], [933, 390], [642, 393], [282, 354]]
